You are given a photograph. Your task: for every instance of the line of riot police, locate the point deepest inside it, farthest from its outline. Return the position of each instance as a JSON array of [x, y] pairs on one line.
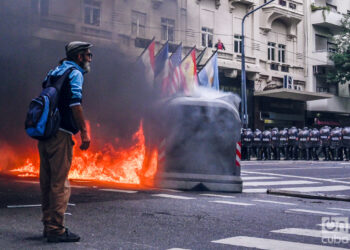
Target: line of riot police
[[296, 144]]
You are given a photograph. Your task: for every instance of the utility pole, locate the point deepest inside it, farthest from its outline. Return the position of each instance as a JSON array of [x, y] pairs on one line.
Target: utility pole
[[244, 110]]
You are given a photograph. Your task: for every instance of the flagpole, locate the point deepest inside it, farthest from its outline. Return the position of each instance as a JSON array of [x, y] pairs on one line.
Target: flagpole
[[200, 56], [189, 53], [147, 46], [209, 60], [178, 46], [161, 48]]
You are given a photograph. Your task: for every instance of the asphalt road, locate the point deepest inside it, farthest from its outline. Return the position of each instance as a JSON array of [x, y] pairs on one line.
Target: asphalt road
[[110, 218]]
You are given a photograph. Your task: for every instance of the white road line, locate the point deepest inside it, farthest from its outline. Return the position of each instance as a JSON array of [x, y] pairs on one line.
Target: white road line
[[276, 183], [261, 243], [120, 191], [173, 196], [32, 205], [340, 209], [254, 190], [68, 214], [296, 176], [277, 202], [296, 210], [219, 195], [301, 168], [312, 233], [234, 203], [253, 178], [171, 190], [318, 189]]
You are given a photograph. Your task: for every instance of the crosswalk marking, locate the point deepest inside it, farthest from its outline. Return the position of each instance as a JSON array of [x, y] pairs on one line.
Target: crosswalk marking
[[253, 178], [119, 191], [311, 233], [340, 209], [233, 203], [318, 189], [254, 190], [311, 212], [296, 176], [276, 202], [261, 243], [219, 195], [173, 196], [277, 183]]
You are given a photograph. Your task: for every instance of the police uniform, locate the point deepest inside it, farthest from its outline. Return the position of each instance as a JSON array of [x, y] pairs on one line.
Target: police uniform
[[325, 141], [303, 145], [346, 142], [275, 141], [266, 145], [257, 140], [335, 144], [314, 141], [283, 143], [293, 143]]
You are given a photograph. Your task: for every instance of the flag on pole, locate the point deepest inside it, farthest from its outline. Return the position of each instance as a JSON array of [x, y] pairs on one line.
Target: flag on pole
[[209, 74], [161, 59], [189, 70], [172, 83], [146, 62]]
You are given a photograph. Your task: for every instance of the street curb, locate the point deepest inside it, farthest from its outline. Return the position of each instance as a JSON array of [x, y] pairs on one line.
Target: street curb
[[308, 195]]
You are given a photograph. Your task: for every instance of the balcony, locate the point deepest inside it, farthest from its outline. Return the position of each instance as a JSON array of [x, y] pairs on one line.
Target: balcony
[[248, 2], [290, 12], [335, 104], [326, 19], [322, 58]]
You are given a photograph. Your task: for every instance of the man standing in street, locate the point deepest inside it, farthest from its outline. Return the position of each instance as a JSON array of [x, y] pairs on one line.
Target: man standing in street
[[56, 152]]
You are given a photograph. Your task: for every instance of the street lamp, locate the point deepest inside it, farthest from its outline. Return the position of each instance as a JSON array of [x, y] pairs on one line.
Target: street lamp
[[244, 110]]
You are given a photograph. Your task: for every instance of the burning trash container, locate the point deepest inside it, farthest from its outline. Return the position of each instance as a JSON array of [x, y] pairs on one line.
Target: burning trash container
[[197, 152]]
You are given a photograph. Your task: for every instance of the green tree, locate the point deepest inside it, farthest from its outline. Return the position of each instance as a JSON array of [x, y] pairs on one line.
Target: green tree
[[341, 58]]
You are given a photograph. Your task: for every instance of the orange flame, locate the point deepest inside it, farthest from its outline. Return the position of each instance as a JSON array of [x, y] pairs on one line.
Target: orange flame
[[123, 166]]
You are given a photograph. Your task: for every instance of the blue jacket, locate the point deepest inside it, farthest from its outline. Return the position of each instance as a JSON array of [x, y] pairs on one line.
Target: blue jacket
[[70, 95]]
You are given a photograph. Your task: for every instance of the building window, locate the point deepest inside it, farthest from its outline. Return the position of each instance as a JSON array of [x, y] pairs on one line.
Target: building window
[[92, 12], [281, 53], [274, 66], [283, 2], [271, 51], [238, 44], [207, 37], [332, 47], [168, 26], [293, 6], [285, 68], [138, 24], [321, 43]]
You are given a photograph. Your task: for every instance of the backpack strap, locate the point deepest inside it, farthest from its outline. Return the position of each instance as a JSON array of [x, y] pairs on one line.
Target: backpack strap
[[57, 81]]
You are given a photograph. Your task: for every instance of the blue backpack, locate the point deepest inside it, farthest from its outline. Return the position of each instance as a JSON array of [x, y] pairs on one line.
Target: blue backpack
[[43, 117]]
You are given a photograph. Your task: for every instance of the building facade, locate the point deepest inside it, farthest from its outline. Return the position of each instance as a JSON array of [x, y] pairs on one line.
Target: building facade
[[323, 22], [287, 44]]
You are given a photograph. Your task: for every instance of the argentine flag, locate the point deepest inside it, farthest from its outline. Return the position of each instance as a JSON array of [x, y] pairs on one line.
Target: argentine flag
[[209, 74]]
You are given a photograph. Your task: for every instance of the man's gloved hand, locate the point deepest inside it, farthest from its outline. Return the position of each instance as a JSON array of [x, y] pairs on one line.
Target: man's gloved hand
[[85, 140]]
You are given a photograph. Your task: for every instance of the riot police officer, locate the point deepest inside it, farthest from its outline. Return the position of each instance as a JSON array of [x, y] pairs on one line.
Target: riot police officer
[[266, 145], [325, 141], [335, 144], [275, 141], [303, 144], [314, 142], [248, 143], [346, 142], [257, 144], [293, 143], [283, 143]]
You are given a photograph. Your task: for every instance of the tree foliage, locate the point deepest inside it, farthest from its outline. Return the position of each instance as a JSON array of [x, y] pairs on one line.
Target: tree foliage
[[341, 58]]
